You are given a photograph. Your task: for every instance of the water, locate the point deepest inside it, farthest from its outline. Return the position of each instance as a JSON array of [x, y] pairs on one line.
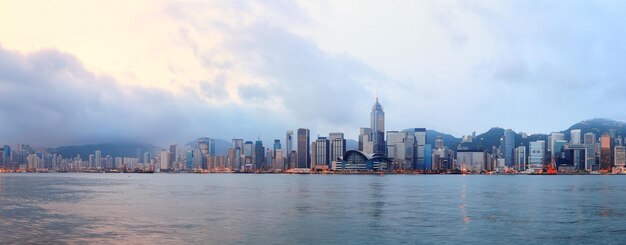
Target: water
[[310, 209]]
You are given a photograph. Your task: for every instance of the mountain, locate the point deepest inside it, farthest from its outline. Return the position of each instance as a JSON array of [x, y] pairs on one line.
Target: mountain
[[111, 149], [448, 140], [352, 144], [598, 126]]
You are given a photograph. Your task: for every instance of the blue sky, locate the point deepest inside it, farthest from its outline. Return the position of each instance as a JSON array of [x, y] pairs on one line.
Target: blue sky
[[74, 72]]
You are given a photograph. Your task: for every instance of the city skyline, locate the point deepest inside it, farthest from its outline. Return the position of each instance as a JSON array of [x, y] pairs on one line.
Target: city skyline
[[167, 72]]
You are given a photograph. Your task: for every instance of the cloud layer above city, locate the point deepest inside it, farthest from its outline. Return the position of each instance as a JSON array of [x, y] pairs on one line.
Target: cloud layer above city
[[76, 72]]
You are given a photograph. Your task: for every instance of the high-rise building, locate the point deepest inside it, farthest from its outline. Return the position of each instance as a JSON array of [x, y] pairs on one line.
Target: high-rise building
[[165, 157], [509, 145], [365, 137], [439, 142], [207, 146], [98, 159], [377, 124], [419, 148], [173, 153], [277, 146], [590, 151], [6, 156], [520, 158], [337, 146], [575, 136], [606, 156], [288, 144], [620, 157], [259, 155], [189, 159], [304, 157], [554, 136], [536, 154], [322, 151]]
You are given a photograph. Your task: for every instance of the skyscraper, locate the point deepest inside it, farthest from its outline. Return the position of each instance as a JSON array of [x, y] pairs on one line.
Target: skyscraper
[[554, 136], [288, 144], [98, 159], [377, 124], [365, 139], [606, 156], [259, 155], [536, 154], [419, 148], [165, 157], [304, 157], [277, 146], [337, 146], [590, 151], [322, 151], [509, 145]]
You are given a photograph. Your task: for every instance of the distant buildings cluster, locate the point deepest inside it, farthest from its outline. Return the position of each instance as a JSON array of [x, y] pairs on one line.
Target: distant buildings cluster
[[378, 150]]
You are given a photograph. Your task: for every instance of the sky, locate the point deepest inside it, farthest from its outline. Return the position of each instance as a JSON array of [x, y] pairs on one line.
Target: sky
[[165, 72]]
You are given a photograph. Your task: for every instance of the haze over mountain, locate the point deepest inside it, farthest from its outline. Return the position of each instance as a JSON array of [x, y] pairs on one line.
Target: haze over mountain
[[485, 140]]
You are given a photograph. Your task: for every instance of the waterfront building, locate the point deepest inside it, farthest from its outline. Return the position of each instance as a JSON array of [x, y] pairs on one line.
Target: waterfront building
[[358, 161], [322, 152], [289, 145], [259, 155], [428, 157], [98, 159], [337, 146], [419, 152], [606, 156], [590, 151], [207, 146], [173, 153], [520, 158], [509, 145], [554, 136], [619, 158], [304, 157], [471, 160], [164, 158], [536, 154]]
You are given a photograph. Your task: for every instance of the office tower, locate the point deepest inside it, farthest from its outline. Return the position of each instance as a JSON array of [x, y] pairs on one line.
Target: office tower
[[172, 153], [420, 151], [259, 155], [189, 160], [520, 158], [365, 137], [397, 147], [165, 157], [589, 138], [293, 156], [620, 157], [322, 151], [237, 145], [248, 148], [6, 156], [606, 156], [313, 153], [277, 146], [337, 146], [575, 136], [558, 146], [304, 157], [590, 151], [509, 145], [92, 161], [428, 157], [98, 159], [536, 154], [554, 136], [289, 145], [377, 124], [146, 157], [279, 162]]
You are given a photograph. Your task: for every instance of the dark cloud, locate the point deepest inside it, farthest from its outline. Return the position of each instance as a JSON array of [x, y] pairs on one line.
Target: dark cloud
[[48, 98]]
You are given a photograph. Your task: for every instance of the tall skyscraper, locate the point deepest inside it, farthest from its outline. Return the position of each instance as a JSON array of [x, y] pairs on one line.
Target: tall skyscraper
[[322, 151], [337, 146], [259, 155], [277, 146], [207, 146], [165, 158], [98, 159], [288, 144], [606, 156], [377, 124], [590, 151], [172, 153], [419, 148], [620, 157], [304, 157], [509, 145]]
